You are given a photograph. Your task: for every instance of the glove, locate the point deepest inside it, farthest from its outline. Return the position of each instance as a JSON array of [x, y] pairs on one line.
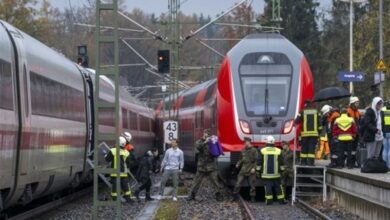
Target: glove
[[253, 171]]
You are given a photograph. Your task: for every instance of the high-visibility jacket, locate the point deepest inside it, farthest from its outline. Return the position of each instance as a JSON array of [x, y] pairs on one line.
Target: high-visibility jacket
[[270, 162], [124, 162], [344, 128], [310, 122], [385, 114], [355, 114]]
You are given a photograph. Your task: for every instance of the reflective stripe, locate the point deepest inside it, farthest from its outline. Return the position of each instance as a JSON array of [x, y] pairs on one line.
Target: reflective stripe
[[128, 193], [311, 156], [303, 155], [345, 137], [306, 132], [280, 196], [114, 194], [353, 152]]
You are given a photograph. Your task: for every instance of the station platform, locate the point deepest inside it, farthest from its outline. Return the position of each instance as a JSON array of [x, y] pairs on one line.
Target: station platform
[[364, 194]]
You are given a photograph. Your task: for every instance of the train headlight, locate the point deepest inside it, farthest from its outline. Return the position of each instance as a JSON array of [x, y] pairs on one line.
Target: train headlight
[[245, 127], [288, 126]]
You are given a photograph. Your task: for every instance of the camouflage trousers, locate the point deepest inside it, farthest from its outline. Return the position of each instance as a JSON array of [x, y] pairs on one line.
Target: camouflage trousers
[[252, 184], [200, 176]]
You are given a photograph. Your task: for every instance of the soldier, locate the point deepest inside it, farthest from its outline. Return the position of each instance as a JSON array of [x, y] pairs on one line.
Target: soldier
[[288, 174], [206, 168], [124, 163], [269, 164], [247, 167], [309, 118]]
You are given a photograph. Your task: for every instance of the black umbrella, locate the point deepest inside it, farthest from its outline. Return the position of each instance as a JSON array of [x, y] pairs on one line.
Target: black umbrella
[[331, 93]]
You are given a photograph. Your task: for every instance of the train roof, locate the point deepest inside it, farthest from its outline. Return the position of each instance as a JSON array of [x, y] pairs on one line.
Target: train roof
[[264, 35]]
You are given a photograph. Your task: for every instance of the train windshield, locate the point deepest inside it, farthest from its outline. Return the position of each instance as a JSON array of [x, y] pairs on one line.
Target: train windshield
[[265, 83]]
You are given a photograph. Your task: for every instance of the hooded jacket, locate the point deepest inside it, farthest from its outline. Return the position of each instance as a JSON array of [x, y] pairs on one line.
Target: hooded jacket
[[369, 128]]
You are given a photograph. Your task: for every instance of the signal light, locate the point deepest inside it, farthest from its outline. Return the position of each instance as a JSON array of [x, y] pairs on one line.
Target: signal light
[[82, 55], [163, 65], [288, 126]]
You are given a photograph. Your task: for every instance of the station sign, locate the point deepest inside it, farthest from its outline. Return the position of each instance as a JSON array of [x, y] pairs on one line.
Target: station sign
[[346, 76], [170, 131]]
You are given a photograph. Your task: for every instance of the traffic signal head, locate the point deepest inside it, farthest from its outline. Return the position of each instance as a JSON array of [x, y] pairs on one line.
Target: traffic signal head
[[163, 64], [82, 55]]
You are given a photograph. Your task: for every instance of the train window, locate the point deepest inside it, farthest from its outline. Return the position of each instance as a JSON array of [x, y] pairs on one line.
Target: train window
[[144, 123], [266, 95], [189, 100], [125, 119], [265, 64], [6, 90], [210, 91], [133, 121], [53, 99]]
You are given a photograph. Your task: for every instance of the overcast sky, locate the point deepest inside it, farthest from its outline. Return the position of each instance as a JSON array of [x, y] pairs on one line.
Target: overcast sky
[[207, 7]]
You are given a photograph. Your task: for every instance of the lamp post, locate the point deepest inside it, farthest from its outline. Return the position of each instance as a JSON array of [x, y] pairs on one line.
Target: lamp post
[[380, 44], [351, 37]]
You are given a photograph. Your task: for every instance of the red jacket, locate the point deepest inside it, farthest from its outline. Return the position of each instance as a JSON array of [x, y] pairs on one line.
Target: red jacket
[[337, 129]]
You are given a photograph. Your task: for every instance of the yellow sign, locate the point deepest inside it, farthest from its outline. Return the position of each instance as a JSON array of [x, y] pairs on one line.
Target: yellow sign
[[381, 65]]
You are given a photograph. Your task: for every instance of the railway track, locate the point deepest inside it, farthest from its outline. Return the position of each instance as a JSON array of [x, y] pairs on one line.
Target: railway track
[[310, 209], [50, 205]]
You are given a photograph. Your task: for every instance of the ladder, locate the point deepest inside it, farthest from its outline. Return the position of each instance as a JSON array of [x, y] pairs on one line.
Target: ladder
[[307, 179], [111, 71]]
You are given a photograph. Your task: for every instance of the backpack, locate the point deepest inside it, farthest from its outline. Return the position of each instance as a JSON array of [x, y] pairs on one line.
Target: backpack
[[374, 165], [214, 146]]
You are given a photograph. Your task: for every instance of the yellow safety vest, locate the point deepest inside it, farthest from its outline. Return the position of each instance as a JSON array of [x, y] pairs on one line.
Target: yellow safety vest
[[386, 118], [310, 123], [344, 122], [122, 153], [270, 153]]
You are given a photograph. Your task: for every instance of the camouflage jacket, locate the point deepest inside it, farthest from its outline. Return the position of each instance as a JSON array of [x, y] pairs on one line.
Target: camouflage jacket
[[248, 160], [206, 162]]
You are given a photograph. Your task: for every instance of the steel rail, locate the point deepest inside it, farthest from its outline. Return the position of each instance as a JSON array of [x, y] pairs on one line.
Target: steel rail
[[246, 208], [317, 213]]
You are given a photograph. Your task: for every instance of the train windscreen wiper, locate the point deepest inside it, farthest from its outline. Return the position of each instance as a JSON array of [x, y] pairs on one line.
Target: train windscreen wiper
[[267, 116]]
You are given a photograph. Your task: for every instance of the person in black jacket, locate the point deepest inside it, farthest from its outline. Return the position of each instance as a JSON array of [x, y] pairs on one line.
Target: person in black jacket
[[143, 175], [372, 128]]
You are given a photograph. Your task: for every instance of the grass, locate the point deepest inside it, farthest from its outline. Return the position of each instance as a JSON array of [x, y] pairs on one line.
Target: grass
[[168, 210]]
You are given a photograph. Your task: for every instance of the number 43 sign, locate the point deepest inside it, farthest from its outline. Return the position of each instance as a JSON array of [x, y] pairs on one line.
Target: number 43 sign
[[170, 131]]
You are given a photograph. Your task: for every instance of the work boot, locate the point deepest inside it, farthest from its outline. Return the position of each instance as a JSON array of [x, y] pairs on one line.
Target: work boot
[[148, 198], [303, 161], [129, 200], [218, 197], [235, 197], [136, 193], [268, 202], [282, 202], [253, 199], [310, 162], [191, 197], [332, 163]]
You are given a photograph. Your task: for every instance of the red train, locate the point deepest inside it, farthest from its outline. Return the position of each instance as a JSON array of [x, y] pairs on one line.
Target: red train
[[261, 86], [46, 119]]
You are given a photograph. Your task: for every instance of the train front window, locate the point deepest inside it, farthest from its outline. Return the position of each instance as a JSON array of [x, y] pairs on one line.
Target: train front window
[[266, 95], [265, 83]]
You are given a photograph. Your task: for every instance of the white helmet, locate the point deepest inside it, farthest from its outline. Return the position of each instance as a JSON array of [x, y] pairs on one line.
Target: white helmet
[[127, 136], [122, 141], [325, 109], [270, 139], [353, 99]]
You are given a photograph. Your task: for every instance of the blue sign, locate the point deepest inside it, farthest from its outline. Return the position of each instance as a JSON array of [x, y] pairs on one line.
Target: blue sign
[[345, 76]]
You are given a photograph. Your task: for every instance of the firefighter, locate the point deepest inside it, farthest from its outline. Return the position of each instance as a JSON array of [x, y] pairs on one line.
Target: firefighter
[[353, 112], [270, 164], [124, 163], [309, 120], [247, 167], [344, 132], [324, 141], [332, 116]]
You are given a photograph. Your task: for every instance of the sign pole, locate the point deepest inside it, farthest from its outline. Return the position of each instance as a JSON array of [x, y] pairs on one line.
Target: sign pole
[[380, 45]]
